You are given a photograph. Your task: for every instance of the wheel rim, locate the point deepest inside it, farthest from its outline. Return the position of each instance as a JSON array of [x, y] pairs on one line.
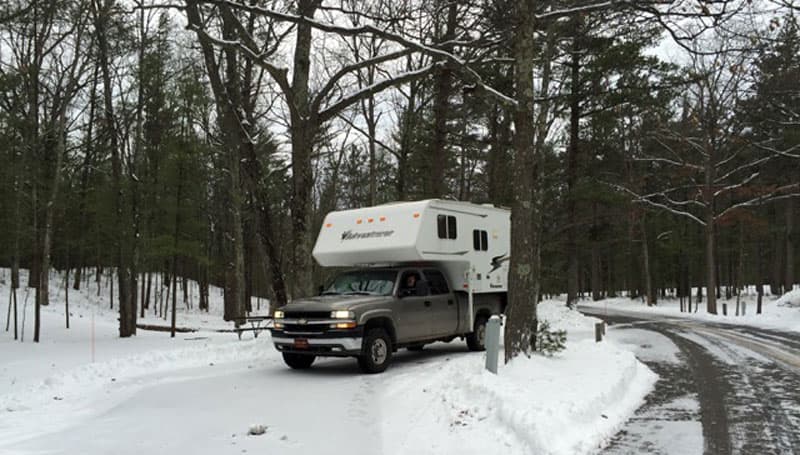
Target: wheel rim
[[378, 351]]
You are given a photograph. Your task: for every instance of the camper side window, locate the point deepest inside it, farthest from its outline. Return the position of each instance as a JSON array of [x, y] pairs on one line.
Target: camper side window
[[480, 240], [446, 226]]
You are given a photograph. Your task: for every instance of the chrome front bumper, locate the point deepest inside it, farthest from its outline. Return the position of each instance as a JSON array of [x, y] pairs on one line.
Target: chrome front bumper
[[336, 344]]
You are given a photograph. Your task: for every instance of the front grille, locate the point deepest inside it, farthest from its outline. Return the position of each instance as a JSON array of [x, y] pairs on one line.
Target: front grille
[[307, 315], [311, 328]]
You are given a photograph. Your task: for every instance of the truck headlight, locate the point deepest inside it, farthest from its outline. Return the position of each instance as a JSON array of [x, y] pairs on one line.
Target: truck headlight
[[342, 314], [278, 314]]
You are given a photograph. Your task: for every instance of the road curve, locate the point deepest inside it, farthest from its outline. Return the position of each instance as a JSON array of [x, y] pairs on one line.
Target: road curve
[[744, 380]]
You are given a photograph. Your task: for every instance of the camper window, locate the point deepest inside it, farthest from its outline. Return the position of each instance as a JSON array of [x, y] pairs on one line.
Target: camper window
[[480, 240], [446, 226]]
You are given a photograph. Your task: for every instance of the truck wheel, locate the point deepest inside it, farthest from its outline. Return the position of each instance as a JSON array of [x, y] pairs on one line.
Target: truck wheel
[[298, 361], [476, 341], [377, 352]]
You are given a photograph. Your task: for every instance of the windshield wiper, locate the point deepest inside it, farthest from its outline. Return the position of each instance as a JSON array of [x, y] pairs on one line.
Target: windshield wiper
[[330, 293], [358, 293]]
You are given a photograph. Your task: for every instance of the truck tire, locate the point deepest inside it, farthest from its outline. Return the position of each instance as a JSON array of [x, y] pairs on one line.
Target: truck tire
[[377, 352], [298, 361], [476, 341]]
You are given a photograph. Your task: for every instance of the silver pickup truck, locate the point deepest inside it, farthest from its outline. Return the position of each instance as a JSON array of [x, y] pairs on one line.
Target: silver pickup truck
[[371, 313]]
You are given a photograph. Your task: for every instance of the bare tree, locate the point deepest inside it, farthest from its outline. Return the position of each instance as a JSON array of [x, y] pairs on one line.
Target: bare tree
[[721, 171]]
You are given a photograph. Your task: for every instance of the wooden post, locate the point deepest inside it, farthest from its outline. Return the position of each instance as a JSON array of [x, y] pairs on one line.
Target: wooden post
[[599, 331]]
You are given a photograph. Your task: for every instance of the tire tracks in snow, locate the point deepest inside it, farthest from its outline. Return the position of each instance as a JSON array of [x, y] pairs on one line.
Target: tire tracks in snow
[[746, 379]]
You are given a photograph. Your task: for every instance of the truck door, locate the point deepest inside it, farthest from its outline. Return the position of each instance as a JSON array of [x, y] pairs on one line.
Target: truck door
[[413, 308], [444, 314]]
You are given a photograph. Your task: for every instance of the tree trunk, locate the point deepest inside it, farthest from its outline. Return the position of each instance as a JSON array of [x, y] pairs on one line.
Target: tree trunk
[[790, 246], [175, 244], [227, 97], [303, 131], [776, 281], [84, 183], [711, 269], [34, 274], [43, 295], [127, 305], [572, 171], [648, 276], [443, 82], [596, 272], [521, 325]]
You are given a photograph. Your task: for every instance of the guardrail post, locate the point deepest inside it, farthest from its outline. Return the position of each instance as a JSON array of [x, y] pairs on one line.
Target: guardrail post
[[724, 309], [599, 331], [492, 343]]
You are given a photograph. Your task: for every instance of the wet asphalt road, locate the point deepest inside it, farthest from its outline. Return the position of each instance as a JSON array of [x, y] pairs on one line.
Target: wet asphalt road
[[730, 390]]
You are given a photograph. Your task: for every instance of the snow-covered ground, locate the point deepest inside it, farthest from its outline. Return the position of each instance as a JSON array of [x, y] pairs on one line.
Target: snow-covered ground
[[570, 404], [84, 390], [782, 313]]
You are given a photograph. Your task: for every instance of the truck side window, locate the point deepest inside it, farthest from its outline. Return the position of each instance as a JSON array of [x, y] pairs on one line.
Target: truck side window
[[446, 226], [480, 240], [437, 282]]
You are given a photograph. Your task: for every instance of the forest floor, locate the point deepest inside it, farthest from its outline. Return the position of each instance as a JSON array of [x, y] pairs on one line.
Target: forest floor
[[84, 390]]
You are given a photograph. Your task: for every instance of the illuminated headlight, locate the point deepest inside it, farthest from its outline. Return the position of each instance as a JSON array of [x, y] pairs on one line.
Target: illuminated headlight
[[278, 314], [342, 314]]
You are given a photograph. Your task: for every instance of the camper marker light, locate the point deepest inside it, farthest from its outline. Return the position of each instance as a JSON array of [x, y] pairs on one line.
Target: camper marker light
[[342, 314]]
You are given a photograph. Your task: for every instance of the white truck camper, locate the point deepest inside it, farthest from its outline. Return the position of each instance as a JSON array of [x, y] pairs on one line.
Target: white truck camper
[[469, 242]]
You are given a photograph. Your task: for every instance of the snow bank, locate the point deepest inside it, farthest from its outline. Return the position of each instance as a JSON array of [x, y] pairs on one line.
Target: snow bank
[[790, 299], [77, 381], [569, 404]]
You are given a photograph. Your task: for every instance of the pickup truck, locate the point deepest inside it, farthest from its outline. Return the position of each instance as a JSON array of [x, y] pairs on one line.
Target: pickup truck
[[371, 313]]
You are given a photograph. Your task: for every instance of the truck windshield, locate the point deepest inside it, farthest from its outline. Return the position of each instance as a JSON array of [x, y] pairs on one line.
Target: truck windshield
[[363, 282]]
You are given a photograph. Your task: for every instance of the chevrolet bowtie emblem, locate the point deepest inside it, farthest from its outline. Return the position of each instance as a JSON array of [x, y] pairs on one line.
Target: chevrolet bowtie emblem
[[302, 322]]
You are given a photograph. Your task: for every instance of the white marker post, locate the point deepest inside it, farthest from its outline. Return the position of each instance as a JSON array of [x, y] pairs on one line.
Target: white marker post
[[492, 343]]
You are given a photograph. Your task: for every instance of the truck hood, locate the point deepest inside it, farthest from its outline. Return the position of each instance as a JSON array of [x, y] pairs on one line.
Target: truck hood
[[334, 302]]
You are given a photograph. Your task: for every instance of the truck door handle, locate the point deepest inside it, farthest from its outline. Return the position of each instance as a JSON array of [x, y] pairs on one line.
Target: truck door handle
[[427, 303]]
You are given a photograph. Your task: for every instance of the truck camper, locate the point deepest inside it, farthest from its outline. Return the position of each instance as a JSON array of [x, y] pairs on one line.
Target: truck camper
[[418, 273]]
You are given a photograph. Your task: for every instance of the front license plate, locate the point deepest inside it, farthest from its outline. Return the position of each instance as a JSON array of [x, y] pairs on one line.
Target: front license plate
[[300, 343]]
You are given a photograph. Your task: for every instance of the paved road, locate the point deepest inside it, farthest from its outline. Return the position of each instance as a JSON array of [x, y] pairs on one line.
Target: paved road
[[728, 389]]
